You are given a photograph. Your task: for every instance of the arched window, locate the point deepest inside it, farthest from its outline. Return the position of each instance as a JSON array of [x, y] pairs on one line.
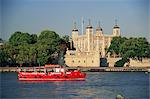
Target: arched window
[[92, 61], [117, 32]]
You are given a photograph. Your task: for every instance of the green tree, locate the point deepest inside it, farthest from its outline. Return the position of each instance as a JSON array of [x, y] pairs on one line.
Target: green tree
[[47, 35], [34, 38], [3, 56], [51, 39], [20, 38], [43, 54], [1, 40], [115, 45], [48, 43], [121, 62], [135, 48], [66, 39], [33, 53], [25, 48], [12, 52], [61, 58], [23, 55]]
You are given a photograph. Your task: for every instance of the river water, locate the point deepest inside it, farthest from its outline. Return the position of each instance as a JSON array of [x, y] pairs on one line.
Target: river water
[[98, 85]]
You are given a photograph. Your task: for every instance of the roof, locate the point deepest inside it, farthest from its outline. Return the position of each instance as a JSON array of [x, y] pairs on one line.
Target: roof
[[116, 26], [75, 30], [89, 27]]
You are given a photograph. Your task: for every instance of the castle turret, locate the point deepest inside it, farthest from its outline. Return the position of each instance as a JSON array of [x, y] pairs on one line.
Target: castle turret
[[89, 35], [116, 29], [75, 34], [74, 31], [89, 28], [99, 30]]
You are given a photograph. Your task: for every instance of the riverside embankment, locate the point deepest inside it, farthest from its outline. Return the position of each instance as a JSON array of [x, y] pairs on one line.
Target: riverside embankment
[[84, 69]]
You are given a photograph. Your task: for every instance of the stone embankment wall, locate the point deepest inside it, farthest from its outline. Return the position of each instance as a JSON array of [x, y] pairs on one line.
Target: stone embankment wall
[[112, 61], [136, 63], [133, 63]]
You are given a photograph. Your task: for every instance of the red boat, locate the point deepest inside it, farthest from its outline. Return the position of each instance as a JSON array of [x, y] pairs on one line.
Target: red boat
[[58, 74]]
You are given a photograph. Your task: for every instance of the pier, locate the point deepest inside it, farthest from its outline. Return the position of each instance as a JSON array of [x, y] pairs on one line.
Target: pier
[[84, 69]]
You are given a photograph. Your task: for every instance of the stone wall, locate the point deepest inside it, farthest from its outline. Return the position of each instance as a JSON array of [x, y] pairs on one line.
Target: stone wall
[[133, 63], [82, 59], [136, 63], [112, 61]]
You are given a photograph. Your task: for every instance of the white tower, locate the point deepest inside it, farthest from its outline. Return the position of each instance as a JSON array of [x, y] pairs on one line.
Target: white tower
[[89, 35], [116, 29], [74, 31], [99, 30], [75, 34]]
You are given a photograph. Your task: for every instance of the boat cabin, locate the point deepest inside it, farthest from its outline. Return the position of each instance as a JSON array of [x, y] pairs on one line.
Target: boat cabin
[[57, 70]]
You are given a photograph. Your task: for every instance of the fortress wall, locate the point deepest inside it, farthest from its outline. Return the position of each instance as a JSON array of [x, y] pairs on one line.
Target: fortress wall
[[136, 63], [112, 61], [133, 63], [82, 61]]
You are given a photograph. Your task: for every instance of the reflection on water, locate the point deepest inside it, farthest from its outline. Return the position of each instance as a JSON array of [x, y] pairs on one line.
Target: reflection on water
[[104, 85]]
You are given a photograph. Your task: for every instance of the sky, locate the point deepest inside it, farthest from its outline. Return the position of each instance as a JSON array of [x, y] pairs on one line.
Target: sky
[[34, 16]]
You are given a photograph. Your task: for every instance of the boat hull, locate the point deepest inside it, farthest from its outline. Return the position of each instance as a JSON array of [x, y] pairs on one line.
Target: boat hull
[[51, 79], [51, 76]]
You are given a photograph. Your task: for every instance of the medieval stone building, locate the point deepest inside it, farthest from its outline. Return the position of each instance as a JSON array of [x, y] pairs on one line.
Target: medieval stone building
[[90, 47]]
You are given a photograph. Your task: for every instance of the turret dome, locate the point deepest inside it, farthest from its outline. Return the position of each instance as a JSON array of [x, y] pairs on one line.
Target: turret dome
[[116, 26], [99, 28], [89, 26], [74, 27]]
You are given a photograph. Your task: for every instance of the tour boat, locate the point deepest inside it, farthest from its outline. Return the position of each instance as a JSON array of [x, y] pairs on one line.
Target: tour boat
[[58, 74]]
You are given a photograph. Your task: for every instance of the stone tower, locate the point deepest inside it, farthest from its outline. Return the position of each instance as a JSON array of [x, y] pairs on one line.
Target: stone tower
[[116, 29], [99, 30], [90, 46], [75, 34], [89, 35]]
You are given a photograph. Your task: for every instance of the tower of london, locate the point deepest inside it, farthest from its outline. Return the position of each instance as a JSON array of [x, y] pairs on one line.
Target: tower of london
[[90, 46]]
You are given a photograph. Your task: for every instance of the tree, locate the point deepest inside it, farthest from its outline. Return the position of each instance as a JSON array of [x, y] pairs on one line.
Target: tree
[[47, 35], [115, 45], [25, 48], [11, 52], [33, 38], [135, 48], [48, 43], [43, 54], [121, 62], [23, 55], [49, 38], [20, 38], [1, 40], [3, 56], [61, 58], [65, 38]]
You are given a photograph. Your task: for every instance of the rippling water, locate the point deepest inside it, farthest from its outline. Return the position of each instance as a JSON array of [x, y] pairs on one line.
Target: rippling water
[[99, 85]]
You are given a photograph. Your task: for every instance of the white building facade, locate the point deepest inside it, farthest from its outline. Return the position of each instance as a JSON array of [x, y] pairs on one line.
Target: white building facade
[[89, 47]]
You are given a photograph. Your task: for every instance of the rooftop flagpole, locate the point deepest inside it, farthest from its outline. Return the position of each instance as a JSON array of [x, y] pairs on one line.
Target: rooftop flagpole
[[82, 23], [115, 21]]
